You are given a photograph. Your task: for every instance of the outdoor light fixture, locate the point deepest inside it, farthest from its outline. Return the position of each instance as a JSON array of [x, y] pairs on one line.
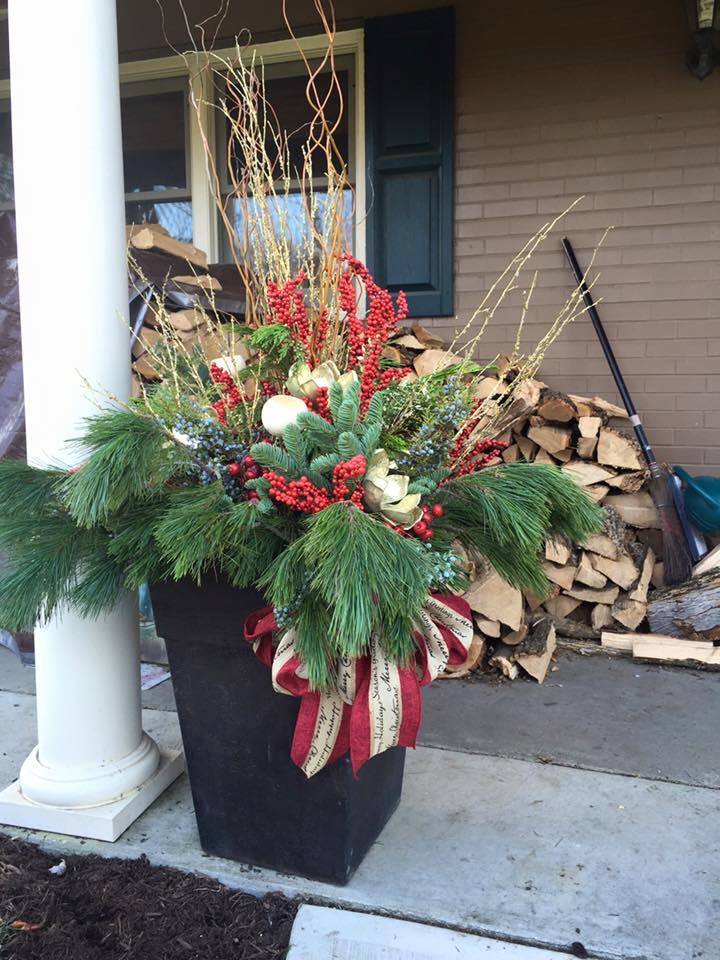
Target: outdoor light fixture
[[704, 23]]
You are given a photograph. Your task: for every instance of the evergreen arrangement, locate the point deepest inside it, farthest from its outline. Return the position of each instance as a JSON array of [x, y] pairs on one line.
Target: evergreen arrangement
[[300, 456]]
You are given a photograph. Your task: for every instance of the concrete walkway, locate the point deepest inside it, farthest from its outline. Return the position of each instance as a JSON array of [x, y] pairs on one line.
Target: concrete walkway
[[322, 933], [531, 852]]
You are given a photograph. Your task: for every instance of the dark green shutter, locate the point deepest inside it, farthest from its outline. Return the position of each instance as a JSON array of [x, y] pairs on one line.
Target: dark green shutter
[[409, 68]]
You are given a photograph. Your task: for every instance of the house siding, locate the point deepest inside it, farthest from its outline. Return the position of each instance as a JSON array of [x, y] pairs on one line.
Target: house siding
[[562, 100]]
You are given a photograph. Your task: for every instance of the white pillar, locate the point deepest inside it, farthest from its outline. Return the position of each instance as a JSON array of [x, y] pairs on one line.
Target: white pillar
[[74, 304]]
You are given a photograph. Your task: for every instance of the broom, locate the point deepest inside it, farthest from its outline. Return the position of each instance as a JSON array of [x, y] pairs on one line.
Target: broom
[[676, 555]]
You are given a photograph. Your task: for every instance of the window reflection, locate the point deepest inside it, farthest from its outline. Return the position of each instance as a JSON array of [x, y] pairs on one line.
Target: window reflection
[[288, 217]]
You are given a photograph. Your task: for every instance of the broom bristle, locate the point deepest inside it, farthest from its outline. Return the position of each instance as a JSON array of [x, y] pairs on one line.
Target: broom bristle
[[677, 562]]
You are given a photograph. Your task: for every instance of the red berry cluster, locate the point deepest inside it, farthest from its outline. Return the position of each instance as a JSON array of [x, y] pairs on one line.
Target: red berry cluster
[[231, 396], [352, 469], [319, 404], [423, 528], [366, 341], [246, 469], [267, 389], [483, 453], [302, 495], [287, 307], [391, 375]]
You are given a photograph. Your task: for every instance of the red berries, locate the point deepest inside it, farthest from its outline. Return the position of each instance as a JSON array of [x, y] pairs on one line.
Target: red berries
[[234, 469], [423, 528], [252, 473], [305, 497]]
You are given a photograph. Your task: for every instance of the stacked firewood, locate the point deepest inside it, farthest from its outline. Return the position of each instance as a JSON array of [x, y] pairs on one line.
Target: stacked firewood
[[602, 585]]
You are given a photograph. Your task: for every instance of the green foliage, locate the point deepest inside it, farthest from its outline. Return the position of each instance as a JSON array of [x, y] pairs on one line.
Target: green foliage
[[130, 456], [51, 561], [274, 339], [347, 412], [368, 578], [505, 513], [192, 528], [273, 457]]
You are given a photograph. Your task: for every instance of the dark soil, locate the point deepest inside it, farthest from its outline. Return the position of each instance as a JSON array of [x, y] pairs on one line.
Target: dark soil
[[130, 910]]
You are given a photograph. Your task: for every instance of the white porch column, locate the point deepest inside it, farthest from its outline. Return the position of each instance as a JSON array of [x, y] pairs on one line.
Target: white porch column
[[94, 769]]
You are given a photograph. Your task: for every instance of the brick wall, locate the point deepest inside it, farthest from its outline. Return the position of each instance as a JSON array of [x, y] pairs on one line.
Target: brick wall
[[569, 98]]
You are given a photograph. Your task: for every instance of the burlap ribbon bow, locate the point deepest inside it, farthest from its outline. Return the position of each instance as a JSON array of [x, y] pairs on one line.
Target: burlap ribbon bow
[[375, 704]]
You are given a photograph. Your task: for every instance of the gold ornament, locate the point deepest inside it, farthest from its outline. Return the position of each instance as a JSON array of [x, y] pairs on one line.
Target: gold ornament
[[304, 382], [386, 492]]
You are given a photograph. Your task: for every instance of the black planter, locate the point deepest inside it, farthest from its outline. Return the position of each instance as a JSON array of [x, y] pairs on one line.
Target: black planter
[[251, 802]]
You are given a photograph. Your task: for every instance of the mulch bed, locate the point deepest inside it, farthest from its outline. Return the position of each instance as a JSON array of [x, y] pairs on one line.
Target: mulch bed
[[130, 910]]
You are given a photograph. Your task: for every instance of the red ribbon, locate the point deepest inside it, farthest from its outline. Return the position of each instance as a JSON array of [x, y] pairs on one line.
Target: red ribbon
[[377, 704]]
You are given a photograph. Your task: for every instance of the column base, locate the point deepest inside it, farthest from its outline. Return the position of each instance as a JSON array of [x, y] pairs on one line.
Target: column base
[[105, 821]]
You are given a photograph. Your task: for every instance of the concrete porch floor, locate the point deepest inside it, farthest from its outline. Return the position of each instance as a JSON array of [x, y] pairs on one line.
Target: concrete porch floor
[[582, 811]]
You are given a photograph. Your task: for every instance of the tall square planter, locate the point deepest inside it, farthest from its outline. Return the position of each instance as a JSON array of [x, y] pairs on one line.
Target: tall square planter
[[252, 803]]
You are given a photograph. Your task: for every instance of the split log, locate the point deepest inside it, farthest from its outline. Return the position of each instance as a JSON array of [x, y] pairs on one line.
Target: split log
[[629, 482], [637, 509], [182, 321], [614, 449], [428, 339], [557, 551], [601, 544], [561, 607], [677, 652], [658, 575], [511, 454], [503, 659], [589, 427], [585, 474], [516, 637], [711, 561], [410, 342], [562, 576], [640, 590], [203, 281], [601, 616], [696, 602], [598, 403], [430, 361], [574, 629], [535, 652], [630, 613], [586, 447], [542, 456], [528, 448], [491, 628], [588, 574], [564, 456], [550, 438], [556, 407], [588, 594], [483, 388], [622, 571], [147, 339], [598, 492], [495, 599], [150, 237]]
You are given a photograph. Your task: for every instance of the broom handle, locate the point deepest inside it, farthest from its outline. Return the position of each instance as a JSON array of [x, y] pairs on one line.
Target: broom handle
[[609, 355]]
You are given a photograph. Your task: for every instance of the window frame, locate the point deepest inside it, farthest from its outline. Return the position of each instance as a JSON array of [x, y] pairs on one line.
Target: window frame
[[198, 90]]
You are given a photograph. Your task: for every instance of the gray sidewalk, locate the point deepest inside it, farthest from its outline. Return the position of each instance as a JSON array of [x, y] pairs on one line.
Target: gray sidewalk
[[529, 852]]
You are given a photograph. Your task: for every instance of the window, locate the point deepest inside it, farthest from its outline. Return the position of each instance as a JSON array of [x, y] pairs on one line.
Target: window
[[285, 91], [155, 156]]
